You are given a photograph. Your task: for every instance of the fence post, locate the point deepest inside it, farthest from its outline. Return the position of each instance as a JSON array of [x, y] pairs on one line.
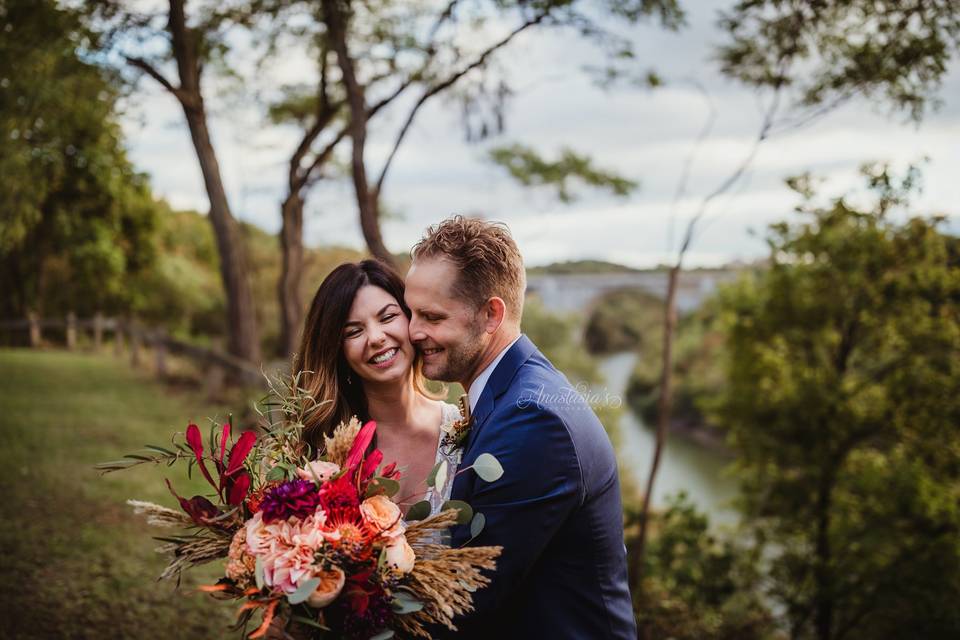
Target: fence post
[[71, 331], [135, 339], [117, 337], [160, 352], [35, 336], [97, 330]]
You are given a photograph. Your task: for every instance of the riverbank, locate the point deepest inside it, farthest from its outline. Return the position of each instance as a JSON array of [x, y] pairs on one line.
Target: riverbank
[[689, 465]]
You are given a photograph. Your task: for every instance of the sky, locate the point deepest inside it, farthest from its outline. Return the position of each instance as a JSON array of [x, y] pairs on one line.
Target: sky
[[641, 134]]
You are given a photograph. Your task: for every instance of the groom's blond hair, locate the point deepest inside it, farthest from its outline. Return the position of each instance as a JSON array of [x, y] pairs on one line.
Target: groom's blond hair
[[487, 260]]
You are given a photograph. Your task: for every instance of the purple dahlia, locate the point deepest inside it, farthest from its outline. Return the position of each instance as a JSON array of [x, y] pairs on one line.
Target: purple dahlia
[[292, 498]]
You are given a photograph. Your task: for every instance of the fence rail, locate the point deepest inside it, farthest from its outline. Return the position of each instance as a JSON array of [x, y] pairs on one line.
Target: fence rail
[[218, 367]]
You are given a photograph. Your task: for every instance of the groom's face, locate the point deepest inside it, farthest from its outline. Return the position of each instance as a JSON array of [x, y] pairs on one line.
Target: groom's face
[[447, 331]]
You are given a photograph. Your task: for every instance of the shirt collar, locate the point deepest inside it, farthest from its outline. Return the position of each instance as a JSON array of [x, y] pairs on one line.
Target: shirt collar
[[478, 385]]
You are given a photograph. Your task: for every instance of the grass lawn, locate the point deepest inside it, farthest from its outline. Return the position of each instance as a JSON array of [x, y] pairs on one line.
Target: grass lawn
[[76, 561]]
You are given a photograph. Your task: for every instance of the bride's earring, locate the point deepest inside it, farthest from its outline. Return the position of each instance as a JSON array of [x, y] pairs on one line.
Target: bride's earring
[[349, 379]]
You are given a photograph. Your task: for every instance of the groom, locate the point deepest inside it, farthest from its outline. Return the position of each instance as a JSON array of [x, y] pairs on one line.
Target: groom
[[556, 511]]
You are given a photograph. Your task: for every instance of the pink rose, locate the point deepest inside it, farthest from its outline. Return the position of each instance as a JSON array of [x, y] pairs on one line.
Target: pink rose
[[400, 555], [331, 582], [318, 470]]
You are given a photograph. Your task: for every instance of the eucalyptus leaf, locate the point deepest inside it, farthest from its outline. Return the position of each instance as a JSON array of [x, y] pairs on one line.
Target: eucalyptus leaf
[[276, 473], [304, 591], [403, 603], [465, 514], [383, 635], [387, 486], [477, 524], [419, 511], [488, 467], [432, 476]]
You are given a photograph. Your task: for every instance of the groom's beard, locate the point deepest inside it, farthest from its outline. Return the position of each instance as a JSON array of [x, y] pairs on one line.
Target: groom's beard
[[458, 360]]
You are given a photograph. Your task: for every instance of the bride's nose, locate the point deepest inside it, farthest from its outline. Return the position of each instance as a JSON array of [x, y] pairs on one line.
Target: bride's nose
[[377, 336]]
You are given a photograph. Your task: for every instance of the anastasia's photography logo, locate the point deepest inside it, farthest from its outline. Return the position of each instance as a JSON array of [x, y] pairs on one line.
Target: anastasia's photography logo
[[580, 397]]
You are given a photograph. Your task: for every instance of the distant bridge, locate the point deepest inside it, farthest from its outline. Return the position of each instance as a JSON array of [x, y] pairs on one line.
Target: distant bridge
[[572, 293]]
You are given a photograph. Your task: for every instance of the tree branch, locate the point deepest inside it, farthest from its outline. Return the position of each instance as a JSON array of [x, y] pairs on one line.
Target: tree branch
[[149, 69], [445, 84]]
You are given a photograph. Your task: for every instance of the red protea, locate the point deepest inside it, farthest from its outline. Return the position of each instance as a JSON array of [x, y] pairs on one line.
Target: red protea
[[340, 498]]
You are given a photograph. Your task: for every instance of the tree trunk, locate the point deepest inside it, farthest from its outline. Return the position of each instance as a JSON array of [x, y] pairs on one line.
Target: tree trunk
[[664, 407], [367, 198], [243, 339], [823, 597], [288, 289]]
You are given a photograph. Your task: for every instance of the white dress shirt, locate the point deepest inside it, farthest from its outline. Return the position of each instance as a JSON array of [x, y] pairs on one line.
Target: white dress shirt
[[476, 388]]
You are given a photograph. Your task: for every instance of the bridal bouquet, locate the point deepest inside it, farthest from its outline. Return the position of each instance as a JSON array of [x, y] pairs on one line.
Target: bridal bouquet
[[315, 543]]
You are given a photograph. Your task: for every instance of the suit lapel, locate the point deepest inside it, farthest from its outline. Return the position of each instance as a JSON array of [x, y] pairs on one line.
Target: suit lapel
[[497, 384]]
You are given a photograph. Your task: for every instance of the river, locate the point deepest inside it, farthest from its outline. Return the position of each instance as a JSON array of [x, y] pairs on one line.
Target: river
[[685, 465]]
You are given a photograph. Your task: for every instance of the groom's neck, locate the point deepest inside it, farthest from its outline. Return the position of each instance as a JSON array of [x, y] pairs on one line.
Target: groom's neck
[[500, 341]]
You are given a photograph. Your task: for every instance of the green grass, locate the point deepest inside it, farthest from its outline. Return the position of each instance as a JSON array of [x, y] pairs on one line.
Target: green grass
[[76, 562]]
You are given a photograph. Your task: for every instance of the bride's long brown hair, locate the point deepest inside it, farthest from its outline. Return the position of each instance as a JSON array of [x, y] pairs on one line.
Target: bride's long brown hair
[[323, 370]]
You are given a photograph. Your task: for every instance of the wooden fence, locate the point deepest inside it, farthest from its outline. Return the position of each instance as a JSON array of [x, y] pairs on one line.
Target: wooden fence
[[217, 367]]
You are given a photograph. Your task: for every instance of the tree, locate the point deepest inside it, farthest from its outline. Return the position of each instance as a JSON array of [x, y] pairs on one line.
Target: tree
[[190, 45], [824, 53], [77, 218], [842, 369], [522, 15], [373, 56]]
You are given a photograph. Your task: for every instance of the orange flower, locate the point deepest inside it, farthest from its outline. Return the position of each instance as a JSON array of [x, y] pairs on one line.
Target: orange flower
[[380, 512], [331, 583]]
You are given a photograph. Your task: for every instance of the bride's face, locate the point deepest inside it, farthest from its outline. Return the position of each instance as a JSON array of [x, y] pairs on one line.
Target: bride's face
[[376, 343]]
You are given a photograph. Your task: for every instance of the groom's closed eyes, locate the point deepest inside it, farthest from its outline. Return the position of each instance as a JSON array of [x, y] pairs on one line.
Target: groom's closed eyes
[[431, 317]]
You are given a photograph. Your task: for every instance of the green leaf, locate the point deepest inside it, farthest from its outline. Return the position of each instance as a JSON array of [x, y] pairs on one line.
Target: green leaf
[[258, 573], [387, 486], [154, 447], [309, 622], [404, 602], [466, 511], [432, 476], [304, 591], [477, 524], [277, 473], [419, 511], [488, 467]]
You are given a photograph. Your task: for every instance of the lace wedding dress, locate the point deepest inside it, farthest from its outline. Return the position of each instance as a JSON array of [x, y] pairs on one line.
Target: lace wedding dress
[[440, 492]]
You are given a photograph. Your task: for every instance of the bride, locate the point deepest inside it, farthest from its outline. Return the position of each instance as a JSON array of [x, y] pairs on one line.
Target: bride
[[355, 352]]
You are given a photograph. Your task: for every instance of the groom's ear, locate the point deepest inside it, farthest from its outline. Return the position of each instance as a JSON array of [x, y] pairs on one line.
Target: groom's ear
[[494, 313]]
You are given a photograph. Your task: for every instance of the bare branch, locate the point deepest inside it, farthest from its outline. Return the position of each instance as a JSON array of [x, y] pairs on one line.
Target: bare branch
[[447, 83], [688, 161], [323, 155], [149, 69]]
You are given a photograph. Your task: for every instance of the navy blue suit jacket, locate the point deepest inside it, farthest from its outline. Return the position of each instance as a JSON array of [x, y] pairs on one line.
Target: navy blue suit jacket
[[556, 511]]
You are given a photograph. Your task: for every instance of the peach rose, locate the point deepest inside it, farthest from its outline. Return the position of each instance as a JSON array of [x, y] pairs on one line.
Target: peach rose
[[331, 582], [318, 470], [400, 555], [380, 512]]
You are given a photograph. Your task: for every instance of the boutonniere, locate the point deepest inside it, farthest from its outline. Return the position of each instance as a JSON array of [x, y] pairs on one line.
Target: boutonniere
[[455, 434]]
